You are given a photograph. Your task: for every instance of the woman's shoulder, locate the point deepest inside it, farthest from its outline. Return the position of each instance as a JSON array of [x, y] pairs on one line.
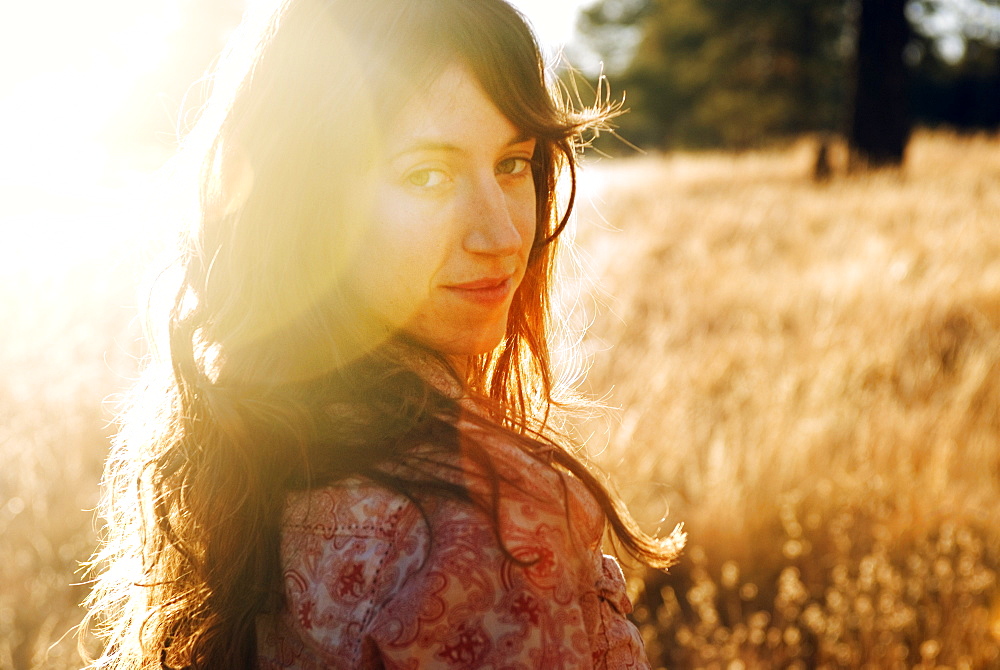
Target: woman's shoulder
[[349, 532], [346, 549], [362, 561], [532, 487], [353, 507], [488, 461]]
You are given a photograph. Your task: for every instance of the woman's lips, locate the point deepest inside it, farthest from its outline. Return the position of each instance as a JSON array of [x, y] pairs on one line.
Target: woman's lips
[[484, 291]]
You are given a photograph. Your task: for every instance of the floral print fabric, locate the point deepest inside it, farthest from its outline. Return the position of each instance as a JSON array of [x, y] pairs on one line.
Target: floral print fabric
[[371, 582]]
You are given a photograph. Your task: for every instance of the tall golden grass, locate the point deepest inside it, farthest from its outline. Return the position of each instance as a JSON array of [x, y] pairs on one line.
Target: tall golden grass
[[809, 381], [63, 350], [809, 378]]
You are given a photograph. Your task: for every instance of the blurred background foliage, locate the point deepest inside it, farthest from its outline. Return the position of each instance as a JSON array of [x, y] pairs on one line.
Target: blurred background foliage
[[740, 74]]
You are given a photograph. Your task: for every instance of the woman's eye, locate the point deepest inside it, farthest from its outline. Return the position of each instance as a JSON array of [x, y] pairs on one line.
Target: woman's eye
[[427, 178], [513, 166]]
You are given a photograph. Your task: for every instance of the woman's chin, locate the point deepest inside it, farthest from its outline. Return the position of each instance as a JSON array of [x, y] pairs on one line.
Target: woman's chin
[[470, 349], [464, 344]]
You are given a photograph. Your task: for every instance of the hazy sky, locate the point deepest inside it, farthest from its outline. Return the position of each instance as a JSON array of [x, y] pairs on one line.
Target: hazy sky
[[554, 20]]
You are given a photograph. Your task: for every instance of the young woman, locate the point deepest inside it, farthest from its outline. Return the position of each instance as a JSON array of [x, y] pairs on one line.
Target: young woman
[[344, 458]]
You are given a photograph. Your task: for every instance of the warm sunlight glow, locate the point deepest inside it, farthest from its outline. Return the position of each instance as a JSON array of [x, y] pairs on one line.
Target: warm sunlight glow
[[67, 68]]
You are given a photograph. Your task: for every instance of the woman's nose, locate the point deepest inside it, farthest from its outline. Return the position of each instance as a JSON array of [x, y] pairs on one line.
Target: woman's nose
[[492, 226]]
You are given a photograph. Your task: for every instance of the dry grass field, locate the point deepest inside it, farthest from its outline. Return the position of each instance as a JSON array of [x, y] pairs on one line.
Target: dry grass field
[[67, 345], [809, 378]]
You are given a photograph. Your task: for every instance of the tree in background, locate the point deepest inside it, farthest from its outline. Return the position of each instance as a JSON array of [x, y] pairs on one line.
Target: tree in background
[[725, 72], [955, 58], [737, 74], [880, 114]]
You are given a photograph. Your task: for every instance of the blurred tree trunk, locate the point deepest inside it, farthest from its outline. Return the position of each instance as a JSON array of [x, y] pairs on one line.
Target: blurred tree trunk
[[880, 120]]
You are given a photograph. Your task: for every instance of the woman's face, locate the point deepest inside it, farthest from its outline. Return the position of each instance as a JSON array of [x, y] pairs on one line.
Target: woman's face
[[453, 223]]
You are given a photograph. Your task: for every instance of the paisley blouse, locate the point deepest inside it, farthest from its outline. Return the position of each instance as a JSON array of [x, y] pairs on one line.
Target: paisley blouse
[[373, 581]]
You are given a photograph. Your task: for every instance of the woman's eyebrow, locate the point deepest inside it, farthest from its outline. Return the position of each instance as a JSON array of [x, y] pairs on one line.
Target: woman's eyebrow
[[443, 146], [429, 146]]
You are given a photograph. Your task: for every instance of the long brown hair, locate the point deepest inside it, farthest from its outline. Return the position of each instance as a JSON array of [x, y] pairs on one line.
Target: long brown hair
[[270, 383]]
